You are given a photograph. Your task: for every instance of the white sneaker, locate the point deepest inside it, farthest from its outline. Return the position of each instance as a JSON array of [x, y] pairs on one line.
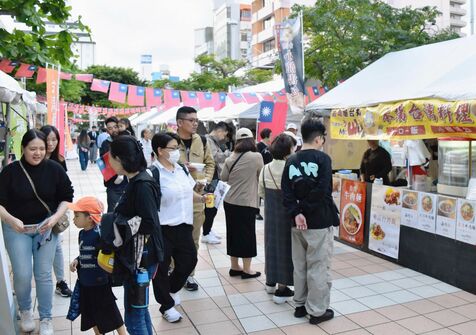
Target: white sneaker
[[46, 327], [270, 289], [172, 315], [176, 298], [215, 234], [27, 324], [210, 239]]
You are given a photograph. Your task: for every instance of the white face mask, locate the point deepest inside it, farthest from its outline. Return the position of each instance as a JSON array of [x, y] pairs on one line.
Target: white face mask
[[174, 156]]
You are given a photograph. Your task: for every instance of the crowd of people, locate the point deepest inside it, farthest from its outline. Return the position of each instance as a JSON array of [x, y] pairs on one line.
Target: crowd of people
[[156, 216]]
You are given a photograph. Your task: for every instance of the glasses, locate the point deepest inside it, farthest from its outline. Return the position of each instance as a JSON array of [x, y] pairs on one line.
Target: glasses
[[191, 120], [171, 148]]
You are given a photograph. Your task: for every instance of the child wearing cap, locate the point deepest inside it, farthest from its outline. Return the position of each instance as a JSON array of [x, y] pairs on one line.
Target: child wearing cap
[[97, 302]]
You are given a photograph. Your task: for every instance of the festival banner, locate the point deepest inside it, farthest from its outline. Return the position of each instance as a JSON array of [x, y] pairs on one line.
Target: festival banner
[[336, 192], [352, 211], [251, 98], [426, 212], [409, 216], [446, 217], [117, 92], [52, 95], [60, 125], [153, 97], [289, 36], [205, 99], [412, 119], [171, 98], [136, 95], [41, 75], [385, 211], [236, 97], [466, 224], [189, 98], [7, 65]]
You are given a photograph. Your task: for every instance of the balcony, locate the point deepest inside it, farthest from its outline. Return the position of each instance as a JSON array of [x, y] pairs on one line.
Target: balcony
[[458, 11], [461, 2], [457, 23], [266, 34], [265, 59], [264, 12]]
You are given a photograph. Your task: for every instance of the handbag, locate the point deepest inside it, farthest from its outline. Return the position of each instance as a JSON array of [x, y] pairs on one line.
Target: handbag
[[63, 222]]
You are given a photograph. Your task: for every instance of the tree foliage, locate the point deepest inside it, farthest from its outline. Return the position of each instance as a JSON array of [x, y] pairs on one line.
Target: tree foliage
[[38, 46], [347, 35]]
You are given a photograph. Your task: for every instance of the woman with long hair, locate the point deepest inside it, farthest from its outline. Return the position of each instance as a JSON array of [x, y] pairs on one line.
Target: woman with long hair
[[27, 224], [83, 147], [241, 171], [141, 199], [52, 152]]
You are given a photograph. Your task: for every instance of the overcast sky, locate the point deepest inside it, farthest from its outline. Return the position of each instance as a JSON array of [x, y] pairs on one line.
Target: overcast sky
[[125, 29]]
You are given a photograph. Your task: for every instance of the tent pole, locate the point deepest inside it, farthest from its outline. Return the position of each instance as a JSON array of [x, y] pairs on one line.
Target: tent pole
[[7, 135]]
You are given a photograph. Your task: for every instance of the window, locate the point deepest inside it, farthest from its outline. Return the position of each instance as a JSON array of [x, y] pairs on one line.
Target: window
[[244, 37], [268, 45], [268, 23], [245, 15]]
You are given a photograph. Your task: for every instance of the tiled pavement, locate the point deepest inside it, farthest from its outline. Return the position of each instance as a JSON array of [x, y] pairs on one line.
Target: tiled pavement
[[369, 295]]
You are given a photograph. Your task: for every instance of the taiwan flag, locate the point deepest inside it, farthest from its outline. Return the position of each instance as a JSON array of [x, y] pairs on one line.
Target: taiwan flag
[[236, 97], [105, 167], [85, 77], [117, 92], [100, 85], [171, 98], [267, 96], [313, 93], [273, 115], [136, 96], [153, 97], [65, 76], [251, 98], [280, 96], [205, 99], [41, 75], [25, 71], [219, 100], [189, 98], [7, 65]]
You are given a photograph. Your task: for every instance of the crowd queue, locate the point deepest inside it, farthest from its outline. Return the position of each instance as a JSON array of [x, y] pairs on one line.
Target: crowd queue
[[156, 216]]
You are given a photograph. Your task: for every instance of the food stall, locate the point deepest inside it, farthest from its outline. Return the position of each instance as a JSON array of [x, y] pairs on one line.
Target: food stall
[[427, 92]]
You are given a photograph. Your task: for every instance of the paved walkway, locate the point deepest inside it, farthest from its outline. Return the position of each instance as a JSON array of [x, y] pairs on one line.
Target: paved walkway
[[369, 295]]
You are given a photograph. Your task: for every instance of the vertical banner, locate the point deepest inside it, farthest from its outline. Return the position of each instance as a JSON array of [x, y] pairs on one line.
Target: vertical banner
[[352, 211], [409, 208], [426, 212], [18, 127], [52, 95], [336, 191], [60, 125], [292, 62], [384, 232], [466, 227], [446, 218]]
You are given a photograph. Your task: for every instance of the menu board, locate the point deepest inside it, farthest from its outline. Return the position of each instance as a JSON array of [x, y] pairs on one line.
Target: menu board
[[426, 212], [352, 211], [446, 217], [466, 225], [409, 215], [336, 187], [385, 213]]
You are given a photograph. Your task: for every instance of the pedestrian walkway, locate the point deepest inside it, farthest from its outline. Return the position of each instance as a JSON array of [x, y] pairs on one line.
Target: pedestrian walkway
[[369, 295]]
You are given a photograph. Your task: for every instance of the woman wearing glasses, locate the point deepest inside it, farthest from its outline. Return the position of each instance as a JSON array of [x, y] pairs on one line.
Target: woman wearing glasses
[[176, 220]]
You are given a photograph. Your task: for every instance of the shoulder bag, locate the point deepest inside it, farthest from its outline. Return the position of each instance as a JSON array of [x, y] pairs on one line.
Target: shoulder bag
[[63, 222]]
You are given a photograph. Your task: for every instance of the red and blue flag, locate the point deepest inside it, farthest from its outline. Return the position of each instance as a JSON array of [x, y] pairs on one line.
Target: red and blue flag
[[171, 98], [118, 92], [205, 99], [251, 98], [153, 97], [236, 97], [25, 71], [99, 85], [136, 95], [189, 98]]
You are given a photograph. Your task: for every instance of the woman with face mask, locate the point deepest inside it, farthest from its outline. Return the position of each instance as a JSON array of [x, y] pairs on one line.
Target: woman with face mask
[[176, 220]]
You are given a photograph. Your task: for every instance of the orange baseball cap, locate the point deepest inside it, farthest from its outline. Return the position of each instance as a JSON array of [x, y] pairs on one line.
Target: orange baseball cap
[[90, 205]]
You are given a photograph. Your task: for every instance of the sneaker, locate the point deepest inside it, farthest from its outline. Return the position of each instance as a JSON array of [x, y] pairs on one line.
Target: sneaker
[[328, 314], [46, 327], [300, 312], [210, 239], [259, 217], [172, 315], [62, 289], [281, 296], [176, 298], [215, 234], [270, 288], [27, 324], [191, 284]]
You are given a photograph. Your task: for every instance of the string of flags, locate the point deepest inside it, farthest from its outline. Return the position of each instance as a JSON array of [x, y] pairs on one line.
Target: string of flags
[[139, 96]]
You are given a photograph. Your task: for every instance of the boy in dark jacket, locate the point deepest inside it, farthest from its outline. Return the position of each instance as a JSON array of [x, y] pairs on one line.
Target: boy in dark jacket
[[307, 189]]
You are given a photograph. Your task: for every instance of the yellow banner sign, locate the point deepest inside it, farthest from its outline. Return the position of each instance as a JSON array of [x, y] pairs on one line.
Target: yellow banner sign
[[412, 119]]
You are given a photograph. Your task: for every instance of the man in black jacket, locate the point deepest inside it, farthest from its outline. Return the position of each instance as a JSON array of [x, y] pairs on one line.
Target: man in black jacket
[[307, 193]]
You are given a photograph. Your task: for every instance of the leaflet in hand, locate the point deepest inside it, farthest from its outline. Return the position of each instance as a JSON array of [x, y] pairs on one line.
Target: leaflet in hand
[[220, 192]]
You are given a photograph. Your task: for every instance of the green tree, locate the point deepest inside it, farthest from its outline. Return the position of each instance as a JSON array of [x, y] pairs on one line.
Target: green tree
[[38, 46], [347, 35], [70, 90]]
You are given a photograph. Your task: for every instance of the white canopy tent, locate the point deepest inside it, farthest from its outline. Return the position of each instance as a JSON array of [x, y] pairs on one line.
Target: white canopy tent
[[274, 85], [445, 70], [230, 111], [143, 118], [164, 116]]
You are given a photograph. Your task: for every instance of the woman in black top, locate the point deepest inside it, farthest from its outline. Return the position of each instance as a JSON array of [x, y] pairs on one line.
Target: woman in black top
[[376, 163], [52, 152], [21, 213], [140, 199]]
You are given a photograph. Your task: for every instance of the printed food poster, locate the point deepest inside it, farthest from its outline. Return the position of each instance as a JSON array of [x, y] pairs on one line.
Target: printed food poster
[[427, 204], [352, 211], [385, 213], [446, 217], [409, 215], [336, 185], [466, 225]]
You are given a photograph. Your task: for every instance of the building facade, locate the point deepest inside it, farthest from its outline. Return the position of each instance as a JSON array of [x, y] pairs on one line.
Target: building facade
[[454, 13]]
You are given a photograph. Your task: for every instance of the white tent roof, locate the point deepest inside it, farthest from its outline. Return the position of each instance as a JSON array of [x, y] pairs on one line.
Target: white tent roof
[[164, 116], [144, 117], [230, 111], [274, 85], [445, 70], [10, 90]]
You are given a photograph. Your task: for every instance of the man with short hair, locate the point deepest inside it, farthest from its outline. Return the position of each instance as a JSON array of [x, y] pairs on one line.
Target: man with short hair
[[102, 137], [194, 149], [307, 197], [294, 129], [262, 146], [117, 184], [93, 147]]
